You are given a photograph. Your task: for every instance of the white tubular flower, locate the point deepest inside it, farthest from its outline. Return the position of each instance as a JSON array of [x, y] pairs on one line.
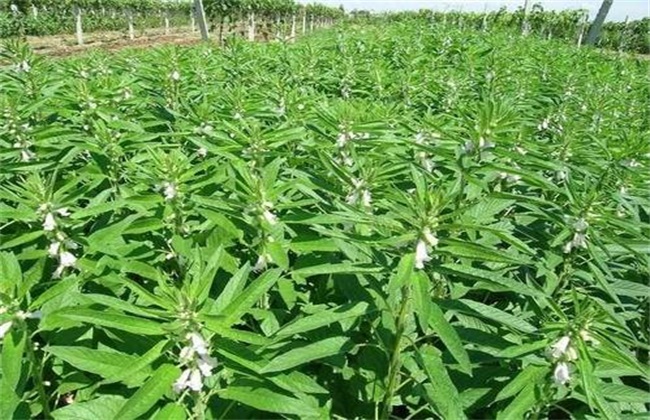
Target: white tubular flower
[[352, 198], [197, 343], [366, 198], [202, 152], [568, 247], [560, 347], [341, 140], [271, 218], [421, 254], [579, 240], [67, 259], [561, 375], [581, 225], [53, 250], [206, 364], [4, 328], [262, 263], [170, 191], [49, 224], [64, 212], [195, 383], [182, 381], [186, 354], [430, 237], [175, 76], [26, 155]]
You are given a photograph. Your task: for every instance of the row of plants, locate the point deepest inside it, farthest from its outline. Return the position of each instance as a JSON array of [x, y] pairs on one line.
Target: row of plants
[[378, 221], [570, 25], [51, 17]]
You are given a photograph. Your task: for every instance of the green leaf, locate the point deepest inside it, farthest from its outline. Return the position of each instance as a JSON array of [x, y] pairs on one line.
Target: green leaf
[[443, 392], [109, 320], [465, 271], [171, 412], [257, 395], [100, 362], [135, 367], [10, 273], [343, 268], [150, 393], [13, 347], [623, 393], [321, 319], [518, 408], [499, 316], [246, 299], [103, 407], [529, 375], [308, 353], [449, 337]]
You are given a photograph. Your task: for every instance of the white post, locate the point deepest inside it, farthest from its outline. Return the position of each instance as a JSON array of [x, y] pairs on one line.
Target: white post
[[166, 17], [200, 15], [129, 17], [34, 11], [293, 28], [525, 27], [304, 23], [78, 27], [311, 23], [192, 21], [251, 26], [277, 27], [597, 24]]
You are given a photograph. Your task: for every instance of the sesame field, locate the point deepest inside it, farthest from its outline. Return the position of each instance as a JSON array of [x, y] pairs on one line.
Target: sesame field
[[392, 218]]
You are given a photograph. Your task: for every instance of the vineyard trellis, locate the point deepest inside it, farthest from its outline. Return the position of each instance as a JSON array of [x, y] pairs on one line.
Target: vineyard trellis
[[276, 18]]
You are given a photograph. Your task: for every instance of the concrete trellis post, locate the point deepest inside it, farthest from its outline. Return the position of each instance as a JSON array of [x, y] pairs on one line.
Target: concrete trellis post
[[277, 27], [166, 19], [76, 10], [251, 26], [311, 23], [596, 26], [129, 17], [202, 21], [34, 11], [293, 28], [304, 23], [525, 26]]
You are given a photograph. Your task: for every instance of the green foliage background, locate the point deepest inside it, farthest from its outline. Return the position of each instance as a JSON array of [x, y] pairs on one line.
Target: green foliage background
[[272, 198]]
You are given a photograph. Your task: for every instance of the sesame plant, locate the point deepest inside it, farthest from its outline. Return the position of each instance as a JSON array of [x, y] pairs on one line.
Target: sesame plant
[[398, 220]]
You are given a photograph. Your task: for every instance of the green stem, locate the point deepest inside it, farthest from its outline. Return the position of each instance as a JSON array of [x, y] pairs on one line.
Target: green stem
[[37, 375], [199, 407], [396, 361]]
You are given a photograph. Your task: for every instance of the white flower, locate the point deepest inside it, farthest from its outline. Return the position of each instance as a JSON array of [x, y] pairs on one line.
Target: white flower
[[67, 259], [543, 125], [4, 328], [202, 152], [271, 218], [26, 155], [561, 375], [195, 382], [568, 247], [205, 365], [53, 250], [262, 262], [186, 354], [560, 347], [35, 315], [175, 76], [581, 225], [587, 337], [579, 240], [421, 254], [63, 212], [169, 191], [430, 237], [181, 382], [341, 140], [49, 224], [352, 198], [197, 343]]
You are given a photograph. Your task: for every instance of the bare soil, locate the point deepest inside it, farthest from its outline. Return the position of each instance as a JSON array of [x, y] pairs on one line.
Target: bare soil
[[66, 44]]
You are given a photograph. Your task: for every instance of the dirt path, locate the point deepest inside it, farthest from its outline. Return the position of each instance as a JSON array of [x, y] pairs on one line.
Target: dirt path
[[66, 44]]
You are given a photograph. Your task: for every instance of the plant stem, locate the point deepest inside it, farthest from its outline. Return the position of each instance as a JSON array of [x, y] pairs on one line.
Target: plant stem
[[396, 361], [37, 375]]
